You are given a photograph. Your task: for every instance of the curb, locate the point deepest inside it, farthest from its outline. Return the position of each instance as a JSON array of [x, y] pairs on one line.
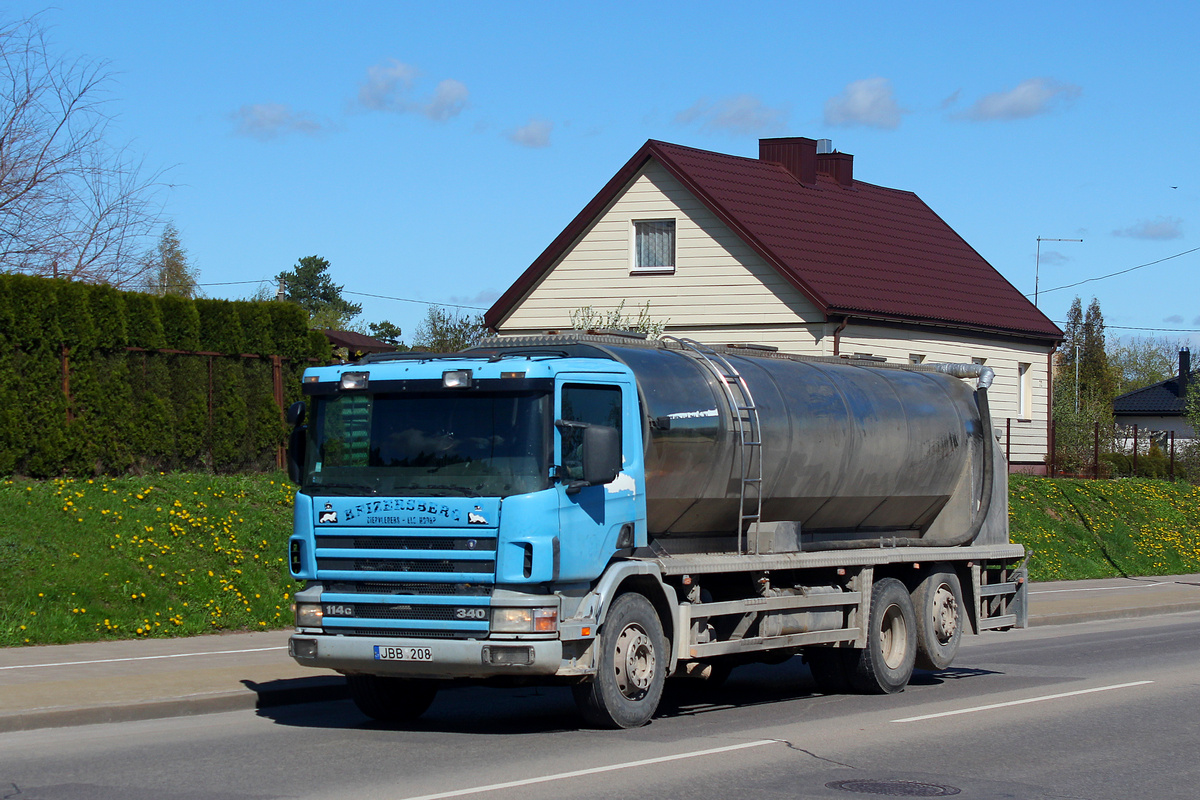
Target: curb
[[315, 690], [1118, 613]]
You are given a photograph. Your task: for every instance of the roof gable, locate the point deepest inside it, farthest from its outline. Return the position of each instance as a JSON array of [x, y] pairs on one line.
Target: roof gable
[[853, 250]]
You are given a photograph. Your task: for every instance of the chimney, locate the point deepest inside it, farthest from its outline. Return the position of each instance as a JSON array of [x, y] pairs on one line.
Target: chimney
[[839, 166], [1185, 370], [795, 154]]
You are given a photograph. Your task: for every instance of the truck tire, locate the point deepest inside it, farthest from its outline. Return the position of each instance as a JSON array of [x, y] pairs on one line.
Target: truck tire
[[940, 617], [391, 699], [886, 663], [631, 669]]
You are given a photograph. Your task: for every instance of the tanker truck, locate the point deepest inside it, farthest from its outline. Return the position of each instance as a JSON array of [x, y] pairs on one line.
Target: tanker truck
[[607, 511]]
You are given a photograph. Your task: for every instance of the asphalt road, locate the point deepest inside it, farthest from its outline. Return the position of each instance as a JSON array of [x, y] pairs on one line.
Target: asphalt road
[[1102, 710]]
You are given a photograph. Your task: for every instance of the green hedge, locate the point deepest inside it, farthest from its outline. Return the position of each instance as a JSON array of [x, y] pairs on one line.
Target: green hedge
[[130, 403]]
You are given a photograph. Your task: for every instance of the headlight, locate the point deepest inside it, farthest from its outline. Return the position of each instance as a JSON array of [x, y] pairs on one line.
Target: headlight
[[524, 620], [354, 380], [309, 615]]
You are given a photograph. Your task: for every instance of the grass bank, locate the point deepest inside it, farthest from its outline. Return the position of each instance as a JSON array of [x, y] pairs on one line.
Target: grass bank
[[184, 554], [1077, 529], [163, 555]]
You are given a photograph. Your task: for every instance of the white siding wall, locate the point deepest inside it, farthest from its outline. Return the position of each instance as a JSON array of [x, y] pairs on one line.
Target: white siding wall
[[723, 292], [718, 279]]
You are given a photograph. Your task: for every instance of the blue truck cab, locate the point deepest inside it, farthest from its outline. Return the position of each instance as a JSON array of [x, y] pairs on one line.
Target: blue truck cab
[[454, 514]]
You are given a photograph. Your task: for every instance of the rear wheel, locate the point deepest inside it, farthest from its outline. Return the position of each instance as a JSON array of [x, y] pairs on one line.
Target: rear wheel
[[939, 607], [632, 667], [886, 663], [391, 699]]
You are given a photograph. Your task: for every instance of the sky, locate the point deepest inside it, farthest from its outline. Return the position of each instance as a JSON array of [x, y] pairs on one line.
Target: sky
[[431, 151]]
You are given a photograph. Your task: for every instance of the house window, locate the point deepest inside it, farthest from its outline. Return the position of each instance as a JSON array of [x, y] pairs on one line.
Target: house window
[[1024, 392], [654, 245], [916, 358]]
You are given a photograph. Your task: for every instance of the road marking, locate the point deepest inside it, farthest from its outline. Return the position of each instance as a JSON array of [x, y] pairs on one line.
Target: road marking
[[144, 658], [591, 771], [1023, 702], [1100, 588]]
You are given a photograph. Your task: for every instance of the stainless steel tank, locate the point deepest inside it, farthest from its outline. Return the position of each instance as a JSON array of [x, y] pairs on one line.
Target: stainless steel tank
[[850, 451]]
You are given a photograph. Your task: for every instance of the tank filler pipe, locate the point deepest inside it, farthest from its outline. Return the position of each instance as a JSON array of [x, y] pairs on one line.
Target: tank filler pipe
[[985, 376]]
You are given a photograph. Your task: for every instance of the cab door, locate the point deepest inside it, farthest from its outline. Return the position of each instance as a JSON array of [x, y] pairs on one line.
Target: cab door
[[595, 521]]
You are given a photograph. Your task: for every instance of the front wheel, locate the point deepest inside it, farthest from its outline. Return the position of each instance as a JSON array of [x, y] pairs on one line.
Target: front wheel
[[887, 662], [631, 670], [391, 699]]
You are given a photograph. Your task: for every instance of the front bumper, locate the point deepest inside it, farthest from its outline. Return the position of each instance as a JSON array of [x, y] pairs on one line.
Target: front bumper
[[451, 658]]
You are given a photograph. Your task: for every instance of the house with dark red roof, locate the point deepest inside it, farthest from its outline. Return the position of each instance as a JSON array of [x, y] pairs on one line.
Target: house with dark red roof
[[1159, 410], [791, 250]]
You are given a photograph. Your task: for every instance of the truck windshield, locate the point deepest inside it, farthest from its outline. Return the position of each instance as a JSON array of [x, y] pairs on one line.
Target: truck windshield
[[428, 444]]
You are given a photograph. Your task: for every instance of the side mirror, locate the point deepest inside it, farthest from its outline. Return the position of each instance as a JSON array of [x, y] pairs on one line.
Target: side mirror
[[296, 451], [297, 441], [601, 454], [295, 413]]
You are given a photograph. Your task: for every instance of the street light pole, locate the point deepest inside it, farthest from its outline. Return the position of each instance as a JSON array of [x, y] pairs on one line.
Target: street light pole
[[1037, 263]]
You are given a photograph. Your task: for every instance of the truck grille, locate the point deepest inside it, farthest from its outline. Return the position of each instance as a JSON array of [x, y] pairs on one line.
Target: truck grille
[[465, 543], [404, 565], [418, 589], [354, 567]]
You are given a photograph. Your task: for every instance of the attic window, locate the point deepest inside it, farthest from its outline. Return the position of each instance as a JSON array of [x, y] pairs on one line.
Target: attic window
[[654, 246]]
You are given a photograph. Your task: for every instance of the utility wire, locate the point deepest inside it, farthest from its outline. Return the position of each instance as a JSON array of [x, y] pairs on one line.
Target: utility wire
[[408, 300], [1114, 274], [1132, 328], [357, 294]]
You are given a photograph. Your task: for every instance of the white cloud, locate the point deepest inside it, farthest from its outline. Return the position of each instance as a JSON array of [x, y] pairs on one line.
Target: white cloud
[[266, 121], [386, 85], [867, 102], [1027, 99], [485, 298], [1174, 319], [1053, 258], [389, 87], [740, 114], [535, 133], [449, 99], [1161, 228]]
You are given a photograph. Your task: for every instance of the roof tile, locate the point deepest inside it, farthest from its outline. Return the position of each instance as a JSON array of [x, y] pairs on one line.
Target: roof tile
[[858, 249]]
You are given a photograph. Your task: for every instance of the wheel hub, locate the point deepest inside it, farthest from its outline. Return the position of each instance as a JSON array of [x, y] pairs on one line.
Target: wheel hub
[[634, 662], [893, 637], [945, 614]]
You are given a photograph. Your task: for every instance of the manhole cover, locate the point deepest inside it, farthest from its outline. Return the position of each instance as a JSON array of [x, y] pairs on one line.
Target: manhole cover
[[895, 788]]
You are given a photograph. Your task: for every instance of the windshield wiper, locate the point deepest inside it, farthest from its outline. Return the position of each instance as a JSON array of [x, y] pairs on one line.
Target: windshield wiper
[[462, 491], [345, 489]]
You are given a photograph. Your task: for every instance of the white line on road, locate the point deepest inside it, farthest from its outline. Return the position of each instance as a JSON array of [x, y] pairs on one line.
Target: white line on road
[[144, 658], [591, 771], [1023, 702], [1101, 588]]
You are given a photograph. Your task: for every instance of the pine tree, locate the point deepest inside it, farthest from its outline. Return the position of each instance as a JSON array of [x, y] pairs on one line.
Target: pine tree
[[309, 286], [170, 272]]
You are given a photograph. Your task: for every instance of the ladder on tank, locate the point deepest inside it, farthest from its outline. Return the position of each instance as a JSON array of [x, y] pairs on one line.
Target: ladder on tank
[[749, 434]]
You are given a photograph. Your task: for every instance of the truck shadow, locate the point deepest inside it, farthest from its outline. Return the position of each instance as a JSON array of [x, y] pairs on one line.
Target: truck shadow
[[324, 702]]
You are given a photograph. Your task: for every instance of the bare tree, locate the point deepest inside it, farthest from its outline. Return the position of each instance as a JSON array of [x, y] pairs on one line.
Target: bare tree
[[71, 204]]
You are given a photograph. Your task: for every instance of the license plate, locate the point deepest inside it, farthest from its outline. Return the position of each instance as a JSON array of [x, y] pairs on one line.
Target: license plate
[[384, 652]]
